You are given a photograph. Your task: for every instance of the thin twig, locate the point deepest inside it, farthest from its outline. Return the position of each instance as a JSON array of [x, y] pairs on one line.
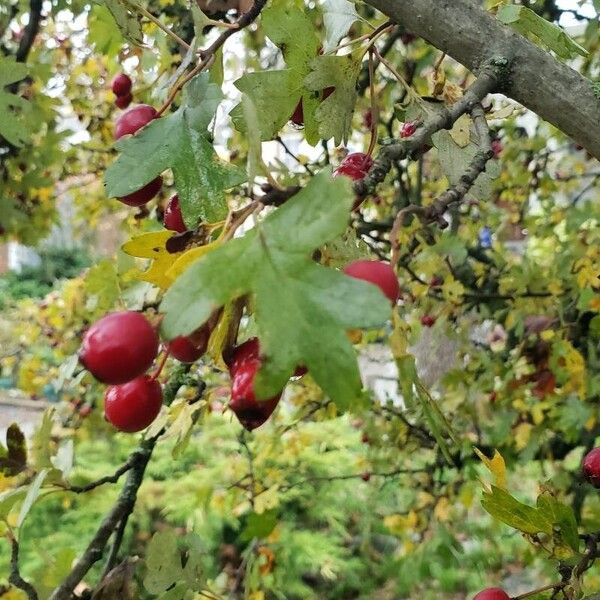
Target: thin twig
[[15, 577]]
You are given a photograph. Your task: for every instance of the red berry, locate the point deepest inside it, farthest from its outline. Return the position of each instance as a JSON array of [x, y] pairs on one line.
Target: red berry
[[250, 411], [378, 273], [492, 594], [121, 85], [143, 195], [497, 147], [355, 165], [119, 347], [133, 406], [188, 349], [300, 371], [123, 102], [135, 118], [173, 219], [366, 476], [297, 117], [427, 321], [436, 281], [364, 438], [408, 129], [591, 467], [327, 92]]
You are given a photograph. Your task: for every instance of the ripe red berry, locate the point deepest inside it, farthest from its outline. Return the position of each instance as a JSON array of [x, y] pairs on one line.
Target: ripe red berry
[[297, 117], [355, 165], [492, 594], [497, 147], [143, 195], [250, 411], [366, 476], [121, 85], [428, 320], [135, 118], [591, 467], [123, 102], [378, 273], [188, 349], [436, 281], [134, 405], [173, 219], [119, 347], [408, 129]]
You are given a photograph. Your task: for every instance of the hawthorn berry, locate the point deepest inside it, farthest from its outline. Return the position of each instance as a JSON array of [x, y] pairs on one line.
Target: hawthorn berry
[[436, 281], [591, 467], [143, 195], [132, 406], [408, 129], [492, 594], [245, 363], [378, 273], [119, 347], [173, 218], [428, 320], [121, 85], [134, 119], [366, 476], [497, 148], [355, 165], [300, 371], [123, 102], [188, 349]]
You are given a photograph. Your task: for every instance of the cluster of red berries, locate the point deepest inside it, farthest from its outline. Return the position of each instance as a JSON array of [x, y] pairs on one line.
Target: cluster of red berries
[[128, 124], [121, 87]]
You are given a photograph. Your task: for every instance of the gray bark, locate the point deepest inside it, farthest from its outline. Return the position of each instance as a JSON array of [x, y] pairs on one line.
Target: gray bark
[[537, 80]]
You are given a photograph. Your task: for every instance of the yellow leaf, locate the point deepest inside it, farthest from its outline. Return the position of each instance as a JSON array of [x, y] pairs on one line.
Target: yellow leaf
[[461, 131], [187, 258], [153, 246], [399, 524], [442, 510], [522, 434], [496, 465], [267, 500]]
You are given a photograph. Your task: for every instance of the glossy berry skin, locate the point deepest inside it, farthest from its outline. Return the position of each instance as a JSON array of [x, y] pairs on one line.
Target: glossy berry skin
[[123, 102], [119, 347], [173, 219], [188, 349], [121, 85], [378, 273], [134, 119], [244, 365], [591, 467], [355, 165], [492, 594], [134, 405], [408, 129], [143, 195], [427, 320]]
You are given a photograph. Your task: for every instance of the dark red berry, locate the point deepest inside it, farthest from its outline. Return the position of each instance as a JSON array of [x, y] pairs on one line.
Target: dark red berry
[[328, 91], [297, 117], [135, 118], [245, 363], [173, 219], [143, 195], [300, 371], [378, 273], [497, 147], [436, 281], [364, 438], [492, 594], [123, 102], [134, 405], [119, 347], [428, 320], [121, 85], [591, 467], [355, 165], [408, 129], [188, 349], [366, 476]]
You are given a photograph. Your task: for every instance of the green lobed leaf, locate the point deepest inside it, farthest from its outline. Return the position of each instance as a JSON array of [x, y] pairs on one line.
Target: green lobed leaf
[[127, 21], [179, 141], [525, 21], [562, 518], [338, 16], [302, 309], [259, 525], [103, 31], [12, 107]]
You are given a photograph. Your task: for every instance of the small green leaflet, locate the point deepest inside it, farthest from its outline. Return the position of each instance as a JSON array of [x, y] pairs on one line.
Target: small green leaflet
[[302, 309], [33, 491], [334, 114], [179, 141], [13, 458], [338, 16], [275, 94], [12, 107], [103, 32], [259, 525], [525, 21], [127, 21]]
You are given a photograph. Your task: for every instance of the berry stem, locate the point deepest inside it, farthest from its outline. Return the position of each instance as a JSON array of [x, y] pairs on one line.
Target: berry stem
[[546, 588], [374, 106], [161, 365]]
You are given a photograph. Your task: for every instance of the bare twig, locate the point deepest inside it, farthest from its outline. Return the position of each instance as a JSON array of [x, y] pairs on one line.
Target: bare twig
[[15, 577], [31, 30]]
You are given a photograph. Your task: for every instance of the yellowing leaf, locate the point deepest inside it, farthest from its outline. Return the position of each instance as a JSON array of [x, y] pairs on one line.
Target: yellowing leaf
[[522, 434], [461, 131], [496, 465], [152, 245], [185, 259]]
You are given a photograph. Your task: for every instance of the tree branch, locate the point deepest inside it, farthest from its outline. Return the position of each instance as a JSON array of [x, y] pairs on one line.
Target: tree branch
[[31, 30], [15, 574], [472, 36]]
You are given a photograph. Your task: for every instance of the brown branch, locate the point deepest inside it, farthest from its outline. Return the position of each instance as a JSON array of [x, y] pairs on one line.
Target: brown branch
[[15, 577], [31, 30], [128, 465]]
